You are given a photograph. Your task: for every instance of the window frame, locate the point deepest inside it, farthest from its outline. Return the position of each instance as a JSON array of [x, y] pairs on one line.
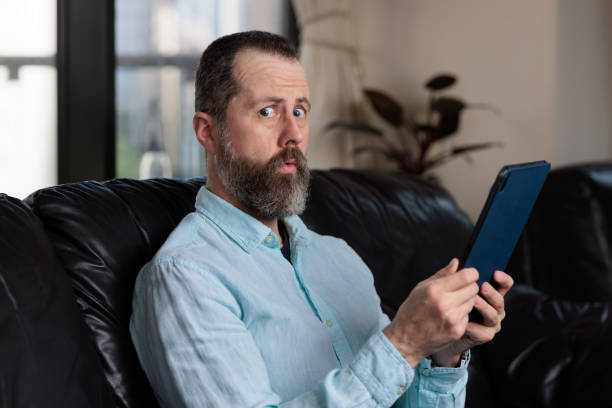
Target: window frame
[[86, 90], [86, 86]]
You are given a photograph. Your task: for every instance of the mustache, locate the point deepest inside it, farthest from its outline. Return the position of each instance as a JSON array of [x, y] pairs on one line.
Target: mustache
[[288, 153]]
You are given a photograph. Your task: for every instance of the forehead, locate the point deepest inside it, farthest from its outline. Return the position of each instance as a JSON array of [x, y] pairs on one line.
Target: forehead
[[258, 72]]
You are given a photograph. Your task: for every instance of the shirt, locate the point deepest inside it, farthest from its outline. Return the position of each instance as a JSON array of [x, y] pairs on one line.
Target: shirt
[[222, 319]]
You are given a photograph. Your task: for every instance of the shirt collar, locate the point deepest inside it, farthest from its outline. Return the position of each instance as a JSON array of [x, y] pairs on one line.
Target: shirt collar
[[245, 230]]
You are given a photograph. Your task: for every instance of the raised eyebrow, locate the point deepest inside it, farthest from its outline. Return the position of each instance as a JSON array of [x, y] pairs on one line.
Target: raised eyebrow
[[305, 101], [266, 99], [274, 99]]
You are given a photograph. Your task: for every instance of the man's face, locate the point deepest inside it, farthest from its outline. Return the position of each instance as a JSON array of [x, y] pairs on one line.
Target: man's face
[[261, 145]]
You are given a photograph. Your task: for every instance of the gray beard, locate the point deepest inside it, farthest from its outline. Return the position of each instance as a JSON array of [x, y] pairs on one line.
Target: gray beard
[[262, 188]]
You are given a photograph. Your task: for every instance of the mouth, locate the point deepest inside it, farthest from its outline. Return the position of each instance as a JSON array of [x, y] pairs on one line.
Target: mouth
[[288, 167]]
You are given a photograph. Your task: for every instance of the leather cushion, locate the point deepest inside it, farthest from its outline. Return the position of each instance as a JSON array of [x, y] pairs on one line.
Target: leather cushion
[[551, 352], [47, 358], [103, 233], [566, 248]]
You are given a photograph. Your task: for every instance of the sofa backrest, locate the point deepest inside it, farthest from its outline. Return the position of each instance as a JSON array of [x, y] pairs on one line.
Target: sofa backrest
[[47, 358], [102, 234], [566, 247], [403, 227]]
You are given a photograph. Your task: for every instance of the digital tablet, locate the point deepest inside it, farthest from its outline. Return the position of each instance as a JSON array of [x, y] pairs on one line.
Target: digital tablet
[[503, 217]]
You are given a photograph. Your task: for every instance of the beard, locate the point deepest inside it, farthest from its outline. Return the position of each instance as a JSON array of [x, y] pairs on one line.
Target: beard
[[262, 188]]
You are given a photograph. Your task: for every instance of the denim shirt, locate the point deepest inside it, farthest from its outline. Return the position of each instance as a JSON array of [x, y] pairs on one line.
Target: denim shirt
[[222, 319]]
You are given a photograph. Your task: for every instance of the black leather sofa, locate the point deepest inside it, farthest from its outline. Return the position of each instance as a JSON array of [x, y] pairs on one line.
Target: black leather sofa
[[69, 256]]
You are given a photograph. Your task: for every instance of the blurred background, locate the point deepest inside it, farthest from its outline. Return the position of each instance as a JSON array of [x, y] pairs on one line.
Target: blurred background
[[103, 89]]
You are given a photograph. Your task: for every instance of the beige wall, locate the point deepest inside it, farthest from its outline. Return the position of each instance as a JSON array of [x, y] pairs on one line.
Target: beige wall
[[584, 81], [545, 64]]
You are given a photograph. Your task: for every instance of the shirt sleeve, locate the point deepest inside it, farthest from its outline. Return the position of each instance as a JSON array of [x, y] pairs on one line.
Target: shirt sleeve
[[442, 387], [196, 351]]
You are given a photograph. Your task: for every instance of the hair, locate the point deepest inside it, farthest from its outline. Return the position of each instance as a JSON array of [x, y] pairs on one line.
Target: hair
[[215, 84]]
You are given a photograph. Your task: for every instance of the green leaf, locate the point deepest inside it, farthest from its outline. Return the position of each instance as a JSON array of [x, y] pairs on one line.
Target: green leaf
[[388, 108], [450, 110], [448, 105], [475, 146], [440, 82]]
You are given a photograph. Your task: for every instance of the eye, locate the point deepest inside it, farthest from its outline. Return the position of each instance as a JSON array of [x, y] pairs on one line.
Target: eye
[[266, 112], [299, 112]]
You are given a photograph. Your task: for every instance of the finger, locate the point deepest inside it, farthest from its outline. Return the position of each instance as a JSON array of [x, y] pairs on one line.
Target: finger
[[461, 312], [491, 295], [458, 280], [468, 306], [479, 334], [449, 269], [462, 295], [490, 316], [504, 282]]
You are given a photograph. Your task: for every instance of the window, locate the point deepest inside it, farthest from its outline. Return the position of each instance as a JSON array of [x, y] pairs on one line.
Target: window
[[158, 46], [28, 96]]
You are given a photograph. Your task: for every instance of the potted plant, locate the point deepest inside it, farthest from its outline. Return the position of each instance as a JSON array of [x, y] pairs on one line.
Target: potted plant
[[442, 120]]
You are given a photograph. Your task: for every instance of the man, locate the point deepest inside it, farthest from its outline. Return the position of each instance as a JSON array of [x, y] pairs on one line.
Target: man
[[243, 306]]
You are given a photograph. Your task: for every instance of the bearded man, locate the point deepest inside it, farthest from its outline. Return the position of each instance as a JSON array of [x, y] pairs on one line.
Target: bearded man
[[243, 306]]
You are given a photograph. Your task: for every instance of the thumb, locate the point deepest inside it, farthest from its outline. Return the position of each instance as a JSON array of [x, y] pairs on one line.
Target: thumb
[[448, 269]]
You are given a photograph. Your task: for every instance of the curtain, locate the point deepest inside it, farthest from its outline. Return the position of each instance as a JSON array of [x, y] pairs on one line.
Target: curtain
[[329, 55]]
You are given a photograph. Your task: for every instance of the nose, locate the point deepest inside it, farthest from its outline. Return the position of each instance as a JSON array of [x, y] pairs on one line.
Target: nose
[[293, 132]]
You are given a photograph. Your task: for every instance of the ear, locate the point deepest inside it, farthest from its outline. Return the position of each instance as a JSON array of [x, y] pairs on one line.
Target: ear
[[203, 126]]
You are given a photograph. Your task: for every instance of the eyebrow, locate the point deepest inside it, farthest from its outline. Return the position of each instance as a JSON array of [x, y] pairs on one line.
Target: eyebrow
[[304, 100], [275, 99]]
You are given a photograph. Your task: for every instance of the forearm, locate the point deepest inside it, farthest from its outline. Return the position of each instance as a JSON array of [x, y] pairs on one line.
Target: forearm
[[444, 358], [439, 384]]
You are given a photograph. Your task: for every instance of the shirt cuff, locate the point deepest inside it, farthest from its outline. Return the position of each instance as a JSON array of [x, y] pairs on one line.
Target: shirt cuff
[[382, 370], [442, 379]]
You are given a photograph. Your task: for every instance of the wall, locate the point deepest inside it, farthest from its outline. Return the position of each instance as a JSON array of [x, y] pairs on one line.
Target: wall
[[584, 81], [545, 64]]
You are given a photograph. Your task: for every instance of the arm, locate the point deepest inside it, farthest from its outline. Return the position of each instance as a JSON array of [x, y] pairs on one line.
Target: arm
[[452, 294], [196, 351], [433, 387], [434, 316]]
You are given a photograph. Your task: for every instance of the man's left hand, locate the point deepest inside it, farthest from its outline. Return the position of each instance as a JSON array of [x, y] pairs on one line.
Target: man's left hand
[[490, 304]]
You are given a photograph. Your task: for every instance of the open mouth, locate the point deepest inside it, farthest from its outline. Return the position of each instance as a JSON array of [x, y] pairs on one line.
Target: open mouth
[[288, 167]]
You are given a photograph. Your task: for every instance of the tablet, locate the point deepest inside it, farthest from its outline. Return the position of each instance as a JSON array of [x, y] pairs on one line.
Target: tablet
[[503, 217]]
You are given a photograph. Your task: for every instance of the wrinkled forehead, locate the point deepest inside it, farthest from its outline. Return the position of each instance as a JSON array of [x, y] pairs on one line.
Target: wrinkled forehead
[[258, 70]]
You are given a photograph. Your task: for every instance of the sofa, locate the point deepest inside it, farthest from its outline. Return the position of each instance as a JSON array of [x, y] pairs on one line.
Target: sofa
[[69, 256]]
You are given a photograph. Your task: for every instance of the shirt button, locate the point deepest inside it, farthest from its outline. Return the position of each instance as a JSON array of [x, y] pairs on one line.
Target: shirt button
[[269, 239], [329, 323], [401, 390], [426, 373]]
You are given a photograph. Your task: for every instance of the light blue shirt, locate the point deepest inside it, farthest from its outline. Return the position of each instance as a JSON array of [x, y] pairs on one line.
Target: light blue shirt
[[222, 319]]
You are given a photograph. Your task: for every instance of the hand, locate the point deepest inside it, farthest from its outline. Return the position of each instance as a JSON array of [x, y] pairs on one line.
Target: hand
[[435, 314], [490, 304]]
